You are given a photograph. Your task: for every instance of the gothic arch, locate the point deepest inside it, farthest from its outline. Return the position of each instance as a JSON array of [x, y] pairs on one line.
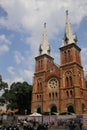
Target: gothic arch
[[69, 56], [70, 108], [65, 56], [53, 108], [39, 84], [68, 79], [52, 76], [38, 109], [80, 78]]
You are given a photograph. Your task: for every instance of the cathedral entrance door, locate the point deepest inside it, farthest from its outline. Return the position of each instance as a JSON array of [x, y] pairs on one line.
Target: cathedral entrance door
[[70, 109], [38, 110], [53, 109]]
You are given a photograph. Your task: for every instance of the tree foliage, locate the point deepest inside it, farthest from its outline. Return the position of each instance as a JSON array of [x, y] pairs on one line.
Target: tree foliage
[[19, 96], [3, 88], [3, 85]]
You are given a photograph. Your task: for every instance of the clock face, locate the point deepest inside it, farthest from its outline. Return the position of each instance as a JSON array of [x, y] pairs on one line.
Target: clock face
[[53, 83]]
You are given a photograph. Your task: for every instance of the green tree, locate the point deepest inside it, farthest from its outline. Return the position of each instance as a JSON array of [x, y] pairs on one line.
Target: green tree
[[3, 85], [19, 96], [3, 89]]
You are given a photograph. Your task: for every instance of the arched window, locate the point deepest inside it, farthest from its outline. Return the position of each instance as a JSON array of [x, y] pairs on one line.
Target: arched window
[[67, 93], [71, 92], [40, 97], [69, 58], [65, 56], [37, 97], [69, 79], [56, 94], [50, 95], [53, 95], [39, 85], [80, 81], [40, 64], [67, 82]]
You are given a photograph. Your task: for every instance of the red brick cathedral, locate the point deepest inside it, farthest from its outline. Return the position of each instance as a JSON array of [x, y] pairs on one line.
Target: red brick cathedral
[[59, 88]]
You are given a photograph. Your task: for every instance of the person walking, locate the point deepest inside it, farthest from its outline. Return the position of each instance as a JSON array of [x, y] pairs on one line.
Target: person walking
[[71, 126]]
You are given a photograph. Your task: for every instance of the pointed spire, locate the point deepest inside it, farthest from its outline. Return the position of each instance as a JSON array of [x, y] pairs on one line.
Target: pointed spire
[[44, 25], [44, 46], [66, 14], [69, 37]]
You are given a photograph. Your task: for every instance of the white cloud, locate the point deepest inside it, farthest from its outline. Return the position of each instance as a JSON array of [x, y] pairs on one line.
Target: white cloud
[[27, 73], [3, 39], [18, 79], [29, 13], [4, 44], [84, 56], [18, 57], [19, 75], [3, 49], [11, 70], [15, 79], [29, 16]]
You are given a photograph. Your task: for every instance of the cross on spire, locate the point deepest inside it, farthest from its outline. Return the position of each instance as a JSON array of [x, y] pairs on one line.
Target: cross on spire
[[44, 25], [66, 12], [69, 36], [44, 46]]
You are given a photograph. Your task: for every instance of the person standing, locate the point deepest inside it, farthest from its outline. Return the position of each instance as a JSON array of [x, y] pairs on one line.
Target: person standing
[[80, 125], [71, 126]]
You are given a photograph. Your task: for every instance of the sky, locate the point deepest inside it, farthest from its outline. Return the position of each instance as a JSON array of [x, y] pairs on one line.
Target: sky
[[21, 29]]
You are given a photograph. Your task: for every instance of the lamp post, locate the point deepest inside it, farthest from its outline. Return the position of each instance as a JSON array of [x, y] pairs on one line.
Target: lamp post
[[49, 115]]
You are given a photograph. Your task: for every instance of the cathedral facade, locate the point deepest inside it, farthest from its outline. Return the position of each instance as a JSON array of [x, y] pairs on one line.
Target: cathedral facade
[[59, 88]]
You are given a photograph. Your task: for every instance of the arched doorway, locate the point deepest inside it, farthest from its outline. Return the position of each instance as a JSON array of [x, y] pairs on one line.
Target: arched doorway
[[53, 109], [39, 110], [70, 109]]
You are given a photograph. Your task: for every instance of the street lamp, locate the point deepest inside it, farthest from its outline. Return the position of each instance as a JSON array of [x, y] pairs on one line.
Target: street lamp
[[49, 114]]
